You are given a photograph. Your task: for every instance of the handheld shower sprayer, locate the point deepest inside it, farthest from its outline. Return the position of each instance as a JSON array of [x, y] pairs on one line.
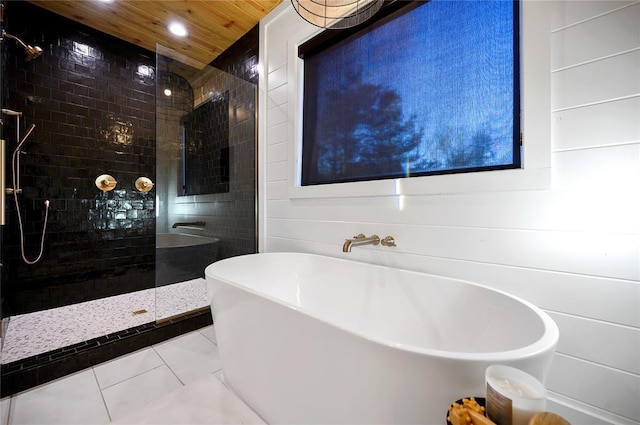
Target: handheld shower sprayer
[[15, 170]]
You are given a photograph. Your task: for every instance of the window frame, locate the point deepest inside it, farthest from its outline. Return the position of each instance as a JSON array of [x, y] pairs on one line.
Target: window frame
[[328, 40], [535, 127]]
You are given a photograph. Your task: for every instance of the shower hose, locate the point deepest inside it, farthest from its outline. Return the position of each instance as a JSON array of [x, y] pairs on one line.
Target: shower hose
[[14, 172]]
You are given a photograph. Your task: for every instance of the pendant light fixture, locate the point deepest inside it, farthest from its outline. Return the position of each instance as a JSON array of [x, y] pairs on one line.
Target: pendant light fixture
[[336, 14]]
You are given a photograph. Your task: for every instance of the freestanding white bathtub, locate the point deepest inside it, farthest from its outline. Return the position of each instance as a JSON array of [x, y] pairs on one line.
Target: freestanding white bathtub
[[309, 339]]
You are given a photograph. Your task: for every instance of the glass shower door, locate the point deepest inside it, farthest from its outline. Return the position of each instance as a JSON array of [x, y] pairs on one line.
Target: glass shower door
[[205, 178]]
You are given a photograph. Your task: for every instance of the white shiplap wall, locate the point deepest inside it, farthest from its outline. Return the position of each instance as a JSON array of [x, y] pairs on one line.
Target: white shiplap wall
[[569, 243]]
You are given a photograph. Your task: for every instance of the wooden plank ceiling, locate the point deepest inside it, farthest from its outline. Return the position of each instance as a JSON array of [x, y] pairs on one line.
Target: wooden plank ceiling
[[213, 25]]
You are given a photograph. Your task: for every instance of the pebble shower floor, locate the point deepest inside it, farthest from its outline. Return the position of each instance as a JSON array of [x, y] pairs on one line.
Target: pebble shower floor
[[39, 332]]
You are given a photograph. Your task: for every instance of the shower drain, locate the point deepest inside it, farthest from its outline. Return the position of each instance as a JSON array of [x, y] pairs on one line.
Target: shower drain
[[137, 312]]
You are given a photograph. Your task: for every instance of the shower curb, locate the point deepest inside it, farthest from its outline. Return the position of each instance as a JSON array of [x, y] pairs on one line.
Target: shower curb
[[30, 372]]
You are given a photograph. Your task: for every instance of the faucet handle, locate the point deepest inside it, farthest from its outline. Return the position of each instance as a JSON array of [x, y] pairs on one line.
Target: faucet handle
[[359, 236], [388, 241]]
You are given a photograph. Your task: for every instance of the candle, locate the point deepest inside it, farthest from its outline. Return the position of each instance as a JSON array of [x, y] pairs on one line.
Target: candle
[[513, 396]]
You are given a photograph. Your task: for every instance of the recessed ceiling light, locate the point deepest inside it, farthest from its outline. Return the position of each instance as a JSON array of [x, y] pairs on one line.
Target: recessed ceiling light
[[178, 29]]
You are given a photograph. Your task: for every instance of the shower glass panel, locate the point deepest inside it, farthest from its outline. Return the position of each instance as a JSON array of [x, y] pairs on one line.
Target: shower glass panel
[[205, 177]]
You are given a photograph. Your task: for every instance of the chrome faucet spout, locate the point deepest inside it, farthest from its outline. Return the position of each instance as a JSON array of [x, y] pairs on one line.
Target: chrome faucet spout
[[360, 240]]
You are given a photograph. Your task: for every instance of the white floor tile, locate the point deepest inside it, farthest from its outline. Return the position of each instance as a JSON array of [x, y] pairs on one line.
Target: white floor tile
[[209, 332], [72, 400], [139, 390], [190, 356], [203, 401], [127, 366]]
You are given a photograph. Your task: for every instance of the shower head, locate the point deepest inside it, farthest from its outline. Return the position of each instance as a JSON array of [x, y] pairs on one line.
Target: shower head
[[31, 51]]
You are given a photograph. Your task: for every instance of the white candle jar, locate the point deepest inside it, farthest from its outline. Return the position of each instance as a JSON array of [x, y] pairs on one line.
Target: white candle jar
[[513, 396]]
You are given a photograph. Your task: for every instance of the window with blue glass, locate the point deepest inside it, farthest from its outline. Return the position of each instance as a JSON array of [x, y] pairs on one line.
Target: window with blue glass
[[431, 88]]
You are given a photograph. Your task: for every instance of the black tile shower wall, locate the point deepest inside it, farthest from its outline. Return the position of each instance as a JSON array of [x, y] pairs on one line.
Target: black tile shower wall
[[243, 219], [232, 216], [235, 222], [1, 291], [241, 59], [3, 84], [206, 150], [92, 100]]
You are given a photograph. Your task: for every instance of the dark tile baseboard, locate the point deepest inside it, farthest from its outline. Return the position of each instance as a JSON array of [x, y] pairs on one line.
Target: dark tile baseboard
[[27, 373]]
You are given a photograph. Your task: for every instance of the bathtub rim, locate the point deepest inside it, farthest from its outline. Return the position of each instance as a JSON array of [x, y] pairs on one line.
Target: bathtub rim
[[547, 342], [202, 240]]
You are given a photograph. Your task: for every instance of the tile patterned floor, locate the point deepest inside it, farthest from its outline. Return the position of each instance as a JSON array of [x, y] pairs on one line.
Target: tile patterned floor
[[47, 330], [174, 382]]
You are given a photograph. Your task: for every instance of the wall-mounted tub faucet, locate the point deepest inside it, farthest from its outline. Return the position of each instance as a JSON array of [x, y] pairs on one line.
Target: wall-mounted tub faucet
[[360, 240], [388, 241]]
